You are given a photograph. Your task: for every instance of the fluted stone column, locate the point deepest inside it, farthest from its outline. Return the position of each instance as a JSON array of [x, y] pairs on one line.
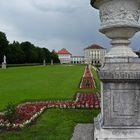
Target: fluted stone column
[[120, 75]]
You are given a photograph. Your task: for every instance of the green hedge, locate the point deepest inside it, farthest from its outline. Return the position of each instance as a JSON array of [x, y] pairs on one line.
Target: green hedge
[[22, 65]]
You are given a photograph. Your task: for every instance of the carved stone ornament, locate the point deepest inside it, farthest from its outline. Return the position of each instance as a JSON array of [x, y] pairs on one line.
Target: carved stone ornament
[[120, 74], [119, 22], [116, 14]]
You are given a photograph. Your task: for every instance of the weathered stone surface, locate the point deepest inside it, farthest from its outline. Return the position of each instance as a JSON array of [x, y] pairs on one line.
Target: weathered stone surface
[[116, 134], [113, 12], [119, 22], [121, 104], [121, 94], [120, 75], [128, 71], [3, 66], [120, 117], [83, 132]]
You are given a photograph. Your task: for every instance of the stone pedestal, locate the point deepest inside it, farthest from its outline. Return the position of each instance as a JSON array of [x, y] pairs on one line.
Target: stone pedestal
[[120, 75], [44, 62], [3, 66], [51, 62], [116, 134], [120, 116]]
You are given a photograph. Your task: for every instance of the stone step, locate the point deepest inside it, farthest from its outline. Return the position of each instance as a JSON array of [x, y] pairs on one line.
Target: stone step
[[83, 132]]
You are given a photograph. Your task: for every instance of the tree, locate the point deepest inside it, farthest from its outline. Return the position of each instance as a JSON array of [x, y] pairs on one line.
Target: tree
[[30, 51], [47, 55], [15, 54], [54, 57], [3, 45], [24, 52], [42, 54]]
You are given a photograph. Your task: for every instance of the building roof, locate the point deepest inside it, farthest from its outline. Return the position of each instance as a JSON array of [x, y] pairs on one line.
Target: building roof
[[94, 46], [63, 51]]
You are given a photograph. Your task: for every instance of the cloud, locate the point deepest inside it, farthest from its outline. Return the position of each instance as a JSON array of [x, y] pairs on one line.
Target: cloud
[[56, 5], [71, 45], [60, 22], [72, 24]]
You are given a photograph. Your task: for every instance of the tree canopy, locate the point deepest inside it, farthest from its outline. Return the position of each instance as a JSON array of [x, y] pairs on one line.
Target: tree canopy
[[3, 45], [24, 52]]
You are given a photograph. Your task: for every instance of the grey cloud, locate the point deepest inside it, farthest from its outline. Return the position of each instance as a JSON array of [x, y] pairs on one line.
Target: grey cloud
[[55, 6], [72, 24]]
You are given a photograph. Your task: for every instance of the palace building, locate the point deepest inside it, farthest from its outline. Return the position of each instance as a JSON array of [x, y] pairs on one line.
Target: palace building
[[64, 56], [77, 59], [94, 54]]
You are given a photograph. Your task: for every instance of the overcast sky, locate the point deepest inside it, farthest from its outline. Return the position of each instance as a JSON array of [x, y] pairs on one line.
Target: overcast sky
[[54, 24]]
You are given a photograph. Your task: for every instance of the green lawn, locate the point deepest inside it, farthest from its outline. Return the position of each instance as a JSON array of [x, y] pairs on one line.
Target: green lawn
[[54, 124], [50, 82], [19, 84]]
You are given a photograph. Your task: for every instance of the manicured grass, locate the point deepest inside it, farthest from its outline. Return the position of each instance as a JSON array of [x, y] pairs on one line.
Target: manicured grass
[[45, 83], [97, 81], [54, 124], [50, 82]]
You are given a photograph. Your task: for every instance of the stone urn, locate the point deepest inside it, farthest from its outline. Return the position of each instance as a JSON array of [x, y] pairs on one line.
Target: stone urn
[[120, 75], [119, 22]]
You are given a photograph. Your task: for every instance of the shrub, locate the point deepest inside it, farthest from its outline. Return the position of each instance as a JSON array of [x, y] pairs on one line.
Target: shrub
[[88, 83], [10, 114]]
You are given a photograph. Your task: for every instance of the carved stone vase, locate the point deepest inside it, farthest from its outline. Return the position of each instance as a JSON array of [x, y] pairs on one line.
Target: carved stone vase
[[120, 75], [119, 22]]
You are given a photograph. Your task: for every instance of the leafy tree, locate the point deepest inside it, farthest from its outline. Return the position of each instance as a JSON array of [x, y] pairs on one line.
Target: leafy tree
[[47, 55], [3, 45], [42, 54], [31, 55], [54, 56], [15, 55], [24, 52]]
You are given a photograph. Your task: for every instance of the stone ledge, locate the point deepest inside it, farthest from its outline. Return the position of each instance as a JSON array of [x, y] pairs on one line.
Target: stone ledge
[[120, 75], [101, 133], [122, 60], [117, 134]]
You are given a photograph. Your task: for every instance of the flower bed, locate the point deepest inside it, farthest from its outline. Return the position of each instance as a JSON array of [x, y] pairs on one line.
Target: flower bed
[[87, 79], [29, 111]]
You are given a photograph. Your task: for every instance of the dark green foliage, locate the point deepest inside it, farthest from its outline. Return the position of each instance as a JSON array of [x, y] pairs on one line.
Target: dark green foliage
[[88, 83], [22, 65], [97, 65], [10, 112], [54, 57], [25, 52], [48, 55], [15, 54], [3, 45], [31, 54]]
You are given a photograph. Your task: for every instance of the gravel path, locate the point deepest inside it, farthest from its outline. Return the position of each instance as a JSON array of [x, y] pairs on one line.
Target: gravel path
[[83, 132]]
